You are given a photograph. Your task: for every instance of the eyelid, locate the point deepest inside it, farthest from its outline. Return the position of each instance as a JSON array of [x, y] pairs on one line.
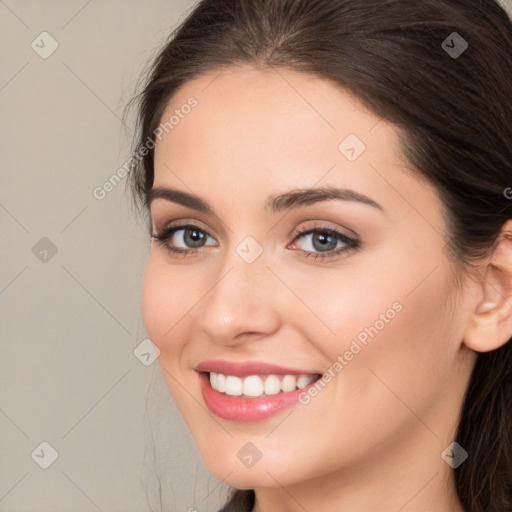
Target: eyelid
[[194, 223], [180, 223], [319, 225], [162, 219]]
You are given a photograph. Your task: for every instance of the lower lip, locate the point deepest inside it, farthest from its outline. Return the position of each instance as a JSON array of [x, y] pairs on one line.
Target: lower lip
[[238, 408]]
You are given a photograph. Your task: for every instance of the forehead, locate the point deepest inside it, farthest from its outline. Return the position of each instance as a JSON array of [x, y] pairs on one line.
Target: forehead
[[255, 132], [284, 106]]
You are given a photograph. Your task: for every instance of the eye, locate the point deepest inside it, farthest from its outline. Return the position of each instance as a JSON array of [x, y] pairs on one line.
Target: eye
[[184, 238], [324, 242], [318, 242]]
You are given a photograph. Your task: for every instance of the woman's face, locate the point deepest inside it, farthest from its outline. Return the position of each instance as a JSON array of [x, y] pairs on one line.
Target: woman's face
[[380, 315]]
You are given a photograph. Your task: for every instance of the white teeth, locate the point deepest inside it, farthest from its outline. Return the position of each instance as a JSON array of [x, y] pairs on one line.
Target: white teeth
[[289, 383], [221, 383], [272, 385], [218, 381], [255, 386], [234, 385], [304, 380]]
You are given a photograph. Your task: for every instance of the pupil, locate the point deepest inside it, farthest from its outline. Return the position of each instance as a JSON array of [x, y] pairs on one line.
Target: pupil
[[195, 237], [323, 240]]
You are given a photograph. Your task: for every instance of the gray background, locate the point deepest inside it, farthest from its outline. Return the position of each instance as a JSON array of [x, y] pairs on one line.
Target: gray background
[[70, 323], [71, 319]]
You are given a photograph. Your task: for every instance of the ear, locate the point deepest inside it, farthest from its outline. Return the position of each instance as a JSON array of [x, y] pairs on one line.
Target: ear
[[490, 325]]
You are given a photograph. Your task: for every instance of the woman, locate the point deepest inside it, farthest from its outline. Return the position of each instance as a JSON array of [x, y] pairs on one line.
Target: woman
[[327, 184]]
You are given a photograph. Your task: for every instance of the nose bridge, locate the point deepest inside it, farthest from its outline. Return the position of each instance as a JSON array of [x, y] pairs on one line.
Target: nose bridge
[[242, 298]]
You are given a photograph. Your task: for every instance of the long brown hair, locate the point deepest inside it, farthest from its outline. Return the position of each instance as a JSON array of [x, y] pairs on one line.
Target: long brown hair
[[455, 112]]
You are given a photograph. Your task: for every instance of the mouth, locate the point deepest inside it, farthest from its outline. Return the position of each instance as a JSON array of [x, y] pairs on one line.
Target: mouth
[[253, 397], [255, 386]]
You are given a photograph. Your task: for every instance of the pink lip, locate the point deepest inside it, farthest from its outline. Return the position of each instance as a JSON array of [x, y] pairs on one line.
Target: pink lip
[[245, 409], [248, 368]]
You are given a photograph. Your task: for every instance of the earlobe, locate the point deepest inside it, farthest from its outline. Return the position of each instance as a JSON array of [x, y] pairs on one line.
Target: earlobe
[[490, 325]]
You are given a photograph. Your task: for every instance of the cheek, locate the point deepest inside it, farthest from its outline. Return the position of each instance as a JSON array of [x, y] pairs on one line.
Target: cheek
[[356, 302], [166, 302], [398, 302], [162, 306], [391, 322], [405, 356]]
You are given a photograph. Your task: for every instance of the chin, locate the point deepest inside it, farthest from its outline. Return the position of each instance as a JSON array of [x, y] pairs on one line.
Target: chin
[[262, 474], [249, 479]]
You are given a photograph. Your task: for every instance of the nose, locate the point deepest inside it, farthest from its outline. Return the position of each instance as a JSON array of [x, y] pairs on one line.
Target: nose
[[242, 303]]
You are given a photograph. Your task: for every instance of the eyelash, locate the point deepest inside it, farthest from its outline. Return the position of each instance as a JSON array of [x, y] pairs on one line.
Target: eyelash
[[351, 244]]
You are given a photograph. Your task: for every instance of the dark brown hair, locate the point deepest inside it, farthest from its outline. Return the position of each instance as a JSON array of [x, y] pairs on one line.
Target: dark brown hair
[[455, 114]]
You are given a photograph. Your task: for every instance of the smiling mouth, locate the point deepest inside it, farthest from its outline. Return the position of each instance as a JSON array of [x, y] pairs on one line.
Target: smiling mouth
[[254, 386]]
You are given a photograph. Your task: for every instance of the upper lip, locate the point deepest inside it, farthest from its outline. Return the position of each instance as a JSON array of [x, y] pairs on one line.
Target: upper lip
[[248, 368]]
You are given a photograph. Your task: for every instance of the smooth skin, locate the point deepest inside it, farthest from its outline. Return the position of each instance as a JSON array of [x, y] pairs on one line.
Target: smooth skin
[[372, 438]]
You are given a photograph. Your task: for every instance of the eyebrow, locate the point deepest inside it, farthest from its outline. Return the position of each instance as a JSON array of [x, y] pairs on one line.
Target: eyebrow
[[277, 203]]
